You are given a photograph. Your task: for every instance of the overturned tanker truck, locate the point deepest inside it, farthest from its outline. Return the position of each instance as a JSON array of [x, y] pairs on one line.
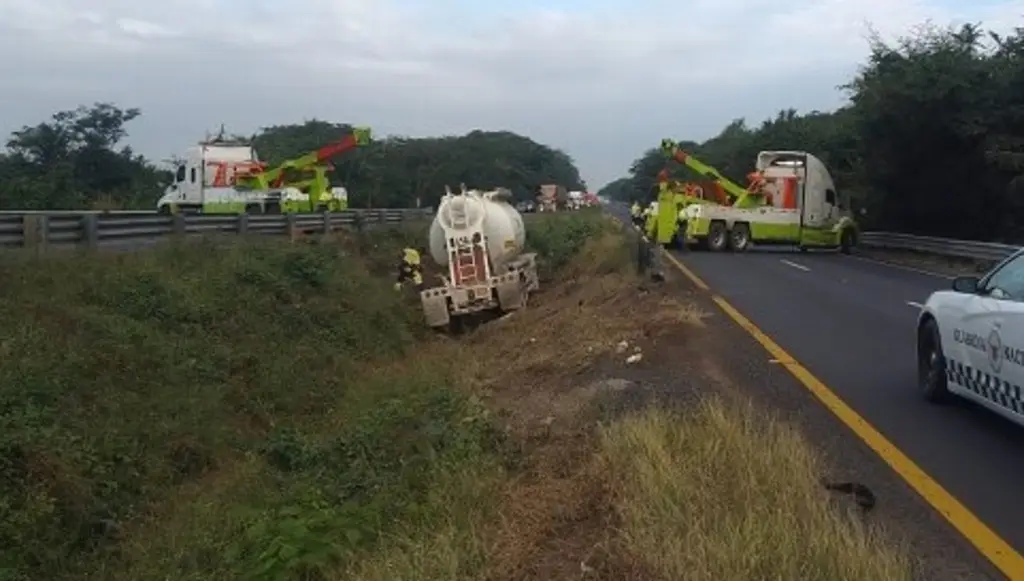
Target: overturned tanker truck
[[480, 237]]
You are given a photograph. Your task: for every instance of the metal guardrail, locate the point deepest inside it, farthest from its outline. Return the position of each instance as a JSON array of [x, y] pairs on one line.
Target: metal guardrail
[[942, 246], [78, 212], [101, 229]]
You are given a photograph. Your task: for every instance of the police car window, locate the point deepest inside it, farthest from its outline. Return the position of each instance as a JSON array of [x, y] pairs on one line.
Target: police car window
[[1007, 283]]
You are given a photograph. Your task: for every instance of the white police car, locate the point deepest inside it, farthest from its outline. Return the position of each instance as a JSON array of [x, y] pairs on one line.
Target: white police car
[[970, 340]]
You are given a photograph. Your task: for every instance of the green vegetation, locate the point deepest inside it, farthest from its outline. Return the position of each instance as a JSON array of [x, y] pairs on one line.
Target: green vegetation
[[193, 411], [929, 142], [73, 162], [394, 171], [225, 409], [558, 239]]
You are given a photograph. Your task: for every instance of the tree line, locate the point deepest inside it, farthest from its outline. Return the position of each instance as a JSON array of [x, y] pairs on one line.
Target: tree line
[[74, 160], [931, 141]]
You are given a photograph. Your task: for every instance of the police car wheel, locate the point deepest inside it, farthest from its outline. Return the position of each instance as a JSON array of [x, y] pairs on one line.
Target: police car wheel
[[931, 364]]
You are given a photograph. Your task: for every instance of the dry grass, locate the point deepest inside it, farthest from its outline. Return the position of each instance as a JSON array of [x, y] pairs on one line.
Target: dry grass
[[726, 493], [450, 545], [532, 359], [548, 506]]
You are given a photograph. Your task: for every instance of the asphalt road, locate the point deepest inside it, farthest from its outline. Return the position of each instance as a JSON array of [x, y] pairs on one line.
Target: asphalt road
[[851, 322]]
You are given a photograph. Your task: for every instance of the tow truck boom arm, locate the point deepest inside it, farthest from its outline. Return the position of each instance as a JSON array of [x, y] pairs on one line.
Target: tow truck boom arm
[[672, 150], [275, 177]]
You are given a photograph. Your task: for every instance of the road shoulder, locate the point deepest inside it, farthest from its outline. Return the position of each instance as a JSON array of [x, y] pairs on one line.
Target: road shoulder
[[737, 363]]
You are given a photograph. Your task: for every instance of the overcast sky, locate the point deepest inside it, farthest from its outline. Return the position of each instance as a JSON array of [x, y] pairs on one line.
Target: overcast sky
[[601, 79]]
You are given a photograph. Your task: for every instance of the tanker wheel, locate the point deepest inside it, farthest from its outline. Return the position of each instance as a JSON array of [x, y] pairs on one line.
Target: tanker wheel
[[718, 237], [739, 237]]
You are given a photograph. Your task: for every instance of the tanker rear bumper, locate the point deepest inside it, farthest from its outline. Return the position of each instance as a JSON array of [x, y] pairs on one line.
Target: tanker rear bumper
[[508, 291]]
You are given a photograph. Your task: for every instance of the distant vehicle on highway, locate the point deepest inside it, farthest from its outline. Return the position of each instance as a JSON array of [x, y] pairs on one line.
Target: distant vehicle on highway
[[526, 207], [970, 340]]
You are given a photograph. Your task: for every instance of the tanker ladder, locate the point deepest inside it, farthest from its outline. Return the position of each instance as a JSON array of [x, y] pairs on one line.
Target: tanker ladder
[[471, 287]]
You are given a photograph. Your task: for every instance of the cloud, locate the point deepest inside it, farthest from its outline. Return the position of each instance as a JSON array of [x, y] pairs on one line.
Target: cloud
[[602, 79]]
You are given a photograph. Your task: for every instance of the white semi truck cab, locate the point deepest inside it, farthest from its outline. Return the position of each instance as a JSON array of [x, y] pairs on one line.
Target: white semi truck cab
[[205, 181], [797, 179]]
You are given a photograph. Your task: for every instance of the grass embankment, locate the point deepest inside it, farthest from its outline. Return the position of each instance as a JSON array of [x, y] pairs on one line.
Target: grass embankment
[[276, 411]]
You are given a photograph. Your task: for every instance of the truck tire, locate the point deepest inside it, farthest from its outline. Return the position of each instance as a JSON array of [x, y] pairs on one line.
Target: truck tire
[[931, 364], [739, 237], [718, 236], [847, 240]]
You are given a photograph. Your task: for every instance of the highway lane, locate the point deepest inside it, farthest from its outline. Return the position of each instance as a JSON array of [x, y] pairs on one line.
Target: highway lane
[[851, 322]]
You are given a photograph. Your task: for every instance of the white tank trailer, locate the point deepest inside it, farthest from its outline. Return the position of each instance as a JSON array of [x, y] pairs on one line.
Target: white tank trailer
[[480, 237]]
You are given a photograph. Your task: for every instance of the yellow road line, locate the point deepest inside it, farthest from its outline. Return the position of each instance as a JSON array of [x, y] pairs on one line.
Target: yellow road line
[[687, 272], [995, 549]]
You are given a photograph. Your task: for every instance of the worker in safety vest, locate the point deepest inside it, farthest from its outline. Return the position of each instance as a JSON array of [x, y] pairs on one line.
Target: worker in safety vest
[[662, 224], [649, 214], [636, 212], [327, 199], [410, 269], [650, 253]]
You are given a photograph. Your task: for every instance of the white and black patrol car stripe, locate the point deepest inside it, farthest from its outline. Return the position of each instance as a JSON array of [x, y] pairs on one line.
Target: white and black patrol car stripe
[[986, 385]]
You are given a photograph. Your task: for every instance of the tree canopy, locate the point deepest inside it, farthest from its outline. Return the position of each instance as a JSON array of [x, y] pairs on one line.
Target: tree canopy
[[75, 161], [931, 141]]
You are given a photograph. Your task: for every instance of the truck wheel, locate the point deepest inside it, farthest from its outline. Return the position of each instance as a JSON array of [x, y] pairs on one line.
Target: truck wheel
[[273, 208], [739, 238], [847, 241], [931, 364], [718, 237]]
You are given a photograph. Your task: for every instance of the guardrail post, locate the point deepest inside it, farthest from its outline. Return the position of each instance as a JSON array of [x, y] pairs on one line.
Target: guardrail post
[[357, 221], [179, 225], [291, 226], [31, 225], [243, 223], [327, 222], [91, 231], [43, 231]]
